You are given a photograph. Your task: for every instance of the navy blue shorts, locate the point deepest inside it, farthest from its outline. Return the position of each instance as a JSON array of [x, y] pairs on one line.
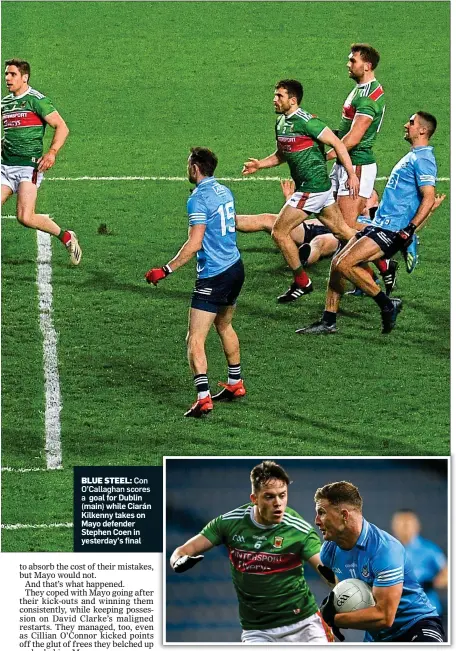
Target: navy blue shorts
[[215, 293], [386, 240], [314, 230], [425, 630]]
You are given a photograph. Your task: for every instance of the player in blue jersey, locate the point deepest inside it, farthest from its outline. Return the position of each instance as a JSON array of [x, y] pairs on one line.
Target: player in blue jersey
[[406, 203], [428, 560], [355, 548], [220, 276]]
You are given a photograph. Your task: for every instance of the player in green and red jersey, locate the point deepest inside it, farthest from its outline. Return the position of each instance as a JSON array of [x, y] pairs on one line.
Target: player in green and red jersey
[[300, 138], [25, 114], [268, 544]]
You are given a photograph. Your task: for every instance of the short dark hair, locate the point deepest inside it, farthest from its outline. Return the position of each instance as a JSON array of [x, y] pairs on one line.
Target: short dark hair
[[22, 65], [428, 121], [205, 159], [340, 492], [293, 87], [367, 52], [264, 472]]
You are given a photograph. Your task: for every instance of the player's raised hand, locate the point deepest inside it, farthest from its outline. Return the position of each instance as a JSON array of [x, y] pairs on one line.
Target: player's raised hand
[[251, 166], [439, 198], [288, 187], [353, 185], [185, 563]]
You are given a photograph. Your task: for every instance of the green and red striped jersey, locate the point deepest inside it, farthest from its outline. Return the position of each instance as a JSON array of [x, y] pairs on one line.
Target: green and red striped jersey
[[23, 127], [297, 143], [267, 565], [365, 99]]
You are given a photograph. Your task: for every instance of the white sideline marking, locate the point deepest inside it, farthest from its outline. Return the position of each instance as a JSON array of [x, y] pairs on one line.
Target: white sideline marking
[[52, 525], [184, 178], [51, 371], [10, 469]]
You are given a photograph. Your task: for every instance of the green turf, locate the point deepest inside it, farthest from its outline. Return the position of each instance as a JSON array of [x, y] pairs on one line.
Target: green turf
[[139, 83]]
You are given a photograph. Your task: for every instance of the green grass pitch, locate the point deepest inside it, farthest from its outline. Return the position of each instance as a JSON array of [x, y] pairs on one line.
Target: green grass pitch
[[139, 83]]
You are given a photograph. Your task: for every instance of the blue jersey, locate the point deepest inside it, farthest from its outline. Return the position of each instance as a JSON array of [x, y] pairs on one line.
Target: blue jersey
[[378, 559], [212, 204], [401, 197], [427, 560]]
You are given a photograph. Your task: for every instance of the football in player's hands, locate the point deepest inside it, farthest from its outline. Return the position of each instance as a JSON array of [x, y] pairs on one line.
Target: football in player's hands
[[186, 562]]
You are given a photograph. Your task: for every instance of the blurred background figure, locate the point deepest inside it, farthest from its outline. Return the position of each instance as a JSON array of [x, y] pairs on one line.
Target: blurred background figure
[[428, 560]]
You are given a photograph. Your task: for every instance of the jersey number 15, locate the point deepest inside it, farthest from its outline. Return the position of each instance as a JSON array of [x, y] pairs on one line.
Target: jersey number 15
[[227, 217]]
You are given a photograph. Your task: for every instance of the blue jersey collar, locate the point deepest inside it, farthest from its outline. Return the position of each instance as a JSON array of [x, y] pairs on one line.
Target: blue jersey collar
[[207, 179], [362, 540], [422, 147]]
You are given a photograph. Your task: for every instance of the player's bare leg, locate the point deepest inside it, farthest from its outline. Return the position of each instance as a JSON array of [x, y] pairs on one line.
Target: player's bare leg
[[351, 208], [265, 222], [199, 324], [230, 343], [289, 218], [331, 217], [6, 193], [26, 215]]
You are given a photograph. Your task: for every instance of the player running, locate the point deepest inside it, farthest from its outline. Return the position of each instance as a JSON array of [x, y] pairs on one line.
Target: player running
[[407, 202], [267, 543], [220, 276], [355, 548], [300, 138], [25, 114]]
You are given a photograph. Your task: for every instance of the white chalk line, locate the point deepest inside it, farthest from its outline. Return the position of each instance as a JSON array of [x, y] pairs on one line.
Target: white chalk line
[[235, 179], [53, 406], [11, 469], [51, 525]]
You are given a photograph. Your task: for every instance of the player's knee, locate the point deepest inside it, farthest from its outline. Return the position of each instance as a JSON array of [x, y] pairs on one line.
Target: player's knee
[[278, 235], [25, 217]]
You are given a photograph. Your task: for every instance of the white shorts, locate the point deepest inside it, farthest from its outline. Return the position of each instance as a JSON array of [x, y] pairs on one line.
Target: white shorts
[[311, 630], [12, 175], [365, 173], [311, 201]]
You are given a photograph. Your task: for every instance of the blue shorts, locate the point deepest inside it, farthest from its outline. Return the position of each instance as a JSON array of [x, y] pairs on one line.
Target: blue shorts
[[215, 293], [385, 240]]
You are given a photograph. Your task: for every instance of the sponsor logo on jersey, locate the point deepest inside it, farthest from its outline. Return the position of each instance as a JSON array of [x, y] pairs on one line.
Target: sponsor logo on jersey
[[293, 144], [350, 565], [263, 562], [238, 538], [336, 570], [278, 542], [260, 537], [15, 119]]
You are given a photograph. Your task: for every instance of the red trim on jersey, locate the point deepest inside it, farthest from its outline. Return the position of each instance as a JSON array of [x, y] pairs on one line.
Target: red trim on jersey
[[18, 119], [302, 200], [294, 143], [378, 92], [328, 632], [262, 562]]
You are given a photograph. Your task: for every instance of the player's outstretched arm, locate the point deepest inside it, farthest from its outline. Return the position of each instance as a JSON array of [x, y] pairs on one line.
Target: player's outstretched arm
[[328, 137], [252, 165], [186, 556], [55, 121]]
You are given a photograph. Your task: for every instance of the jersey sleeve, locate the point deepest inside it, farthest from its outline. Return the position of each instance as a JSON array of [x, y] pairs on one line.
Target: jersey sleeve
[[311, 546], [388, 565], [314, 127], [425, 171], [43, 106], [197, 210], [367, 106], [213, 531], [326, 555]]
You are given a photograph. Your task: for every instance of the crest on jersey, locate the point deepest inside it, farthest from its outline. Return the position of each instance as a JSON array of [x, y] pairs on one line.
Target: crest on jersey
[[278, 542], [365, 571]]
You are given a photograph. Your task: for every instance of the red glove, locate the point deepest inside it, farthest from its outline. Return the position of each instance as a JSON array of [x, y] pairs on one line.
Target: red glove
[[154, 275]]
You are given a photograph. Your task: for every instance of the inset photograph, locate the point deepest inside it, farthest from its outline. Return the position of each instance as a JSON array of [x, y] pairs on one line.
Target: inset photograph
[[305, 550]]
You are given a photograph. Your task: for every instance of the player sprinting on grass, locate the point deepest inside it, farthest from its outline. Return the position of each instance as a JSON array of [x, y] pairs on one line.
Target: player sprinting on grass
[[300, 140], [407, 202], [220, 276], [268, 543], [25, 115], [355, 548]]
